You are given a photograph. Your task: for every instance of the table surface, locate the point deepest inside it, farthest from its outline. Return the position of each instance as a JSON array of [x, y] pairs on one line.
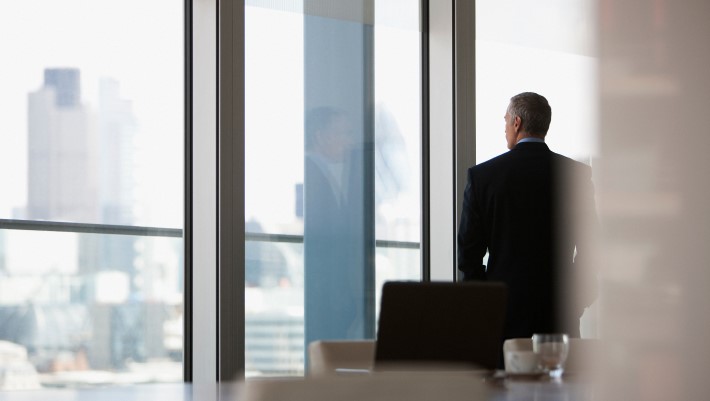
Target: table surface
[[398, 388]]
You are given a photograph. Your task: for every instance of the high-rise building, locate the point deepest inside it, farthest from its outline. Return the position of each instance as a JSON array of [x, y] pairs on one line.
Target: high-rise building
[[80, 165], [117, 129], [66, 83], [81, 170], [62, 176]]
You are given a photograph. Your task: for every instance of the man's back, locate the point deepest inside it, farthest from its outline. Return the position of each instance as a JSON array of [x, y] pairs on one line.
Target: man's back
[[516, 207]]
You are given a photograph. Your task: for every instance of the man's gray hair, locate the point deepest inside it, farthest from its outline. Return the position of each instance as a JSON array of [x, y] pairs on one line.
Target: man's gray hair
[[534, 112]]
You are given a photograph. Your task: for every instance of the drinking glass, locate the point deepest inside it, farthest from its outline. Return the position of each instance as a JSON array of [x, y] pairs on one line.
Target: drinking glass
[[552, 350]]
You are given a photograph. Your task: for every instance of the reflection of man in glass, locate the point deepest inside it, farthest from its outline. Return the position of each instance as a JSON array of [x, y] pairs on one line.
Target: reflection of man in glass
[[328, 141], [333, 266]]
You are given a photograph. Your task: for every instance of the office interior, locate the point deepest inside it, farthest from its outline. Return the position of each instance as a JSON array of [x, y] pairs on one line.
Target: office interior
[[628, 88]]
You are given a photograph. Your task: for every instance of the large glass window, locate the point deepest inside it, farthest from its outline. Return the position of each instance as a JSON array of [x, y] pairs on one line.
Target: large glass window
[[517, 52], [332, 186], [91, 166]]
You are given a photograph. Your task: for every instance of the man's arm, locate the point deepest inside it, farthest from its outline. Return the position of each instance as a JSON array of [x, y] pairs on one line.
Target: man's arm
[[471, 242]]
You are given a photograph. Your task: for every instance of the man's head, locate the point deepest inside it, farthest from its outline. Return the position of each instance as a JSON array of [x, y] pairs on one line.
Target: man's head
[[328, 133], [528, 115]]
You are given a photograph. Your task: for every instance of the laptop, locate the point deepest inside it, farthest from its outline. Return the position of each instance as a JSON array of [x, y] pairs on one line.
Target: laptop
[[440, 323]]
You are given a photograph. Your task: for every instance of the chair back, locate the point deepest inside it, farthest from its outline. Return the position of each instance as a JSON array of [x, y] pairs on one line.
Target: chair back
[[440, 323], [328, 357]]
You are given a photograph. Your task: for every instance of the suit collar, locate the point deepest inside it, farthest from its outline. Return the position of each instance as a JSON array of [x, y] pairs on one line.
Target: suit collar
[[531, 146]]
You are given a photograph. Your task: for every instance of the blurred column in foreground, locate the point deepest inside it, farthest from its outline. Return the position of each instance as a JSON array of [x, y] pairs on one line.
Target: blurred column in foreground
[[654, 197]]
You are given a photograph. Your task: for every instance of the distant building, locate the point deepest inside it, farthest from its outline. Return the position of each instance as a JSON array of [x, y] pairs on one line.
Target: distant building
[[66, 83], [80, 170], [81, 166], [62, 166], [117, 133]]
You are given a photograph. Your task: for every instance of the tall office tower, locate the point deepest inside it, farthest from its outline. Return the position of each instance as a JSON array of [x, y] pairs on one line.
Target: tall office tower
[[117, 131], [80, 165], [81, 170], [62, 176], [66, 84]]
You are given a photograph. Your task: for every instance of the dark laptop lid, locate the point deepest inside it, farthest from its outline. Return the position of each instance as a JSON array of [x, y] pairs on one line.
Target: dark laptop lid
[[441, 323]]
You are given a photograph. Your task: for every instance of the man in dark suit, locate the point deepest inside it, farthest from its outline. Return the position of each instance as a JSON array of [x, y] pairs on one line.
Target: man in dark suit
[[524, 208]]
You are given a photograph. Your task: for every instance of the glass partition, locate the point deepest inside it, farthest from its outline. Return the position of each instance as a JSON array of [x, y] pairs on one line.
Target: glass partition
[[333, 126]]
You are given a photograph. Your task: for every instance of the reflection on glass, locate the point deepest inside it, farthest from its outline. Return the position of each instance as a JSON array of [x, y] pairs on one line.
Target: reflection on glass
[[332, 159], [336, 233]]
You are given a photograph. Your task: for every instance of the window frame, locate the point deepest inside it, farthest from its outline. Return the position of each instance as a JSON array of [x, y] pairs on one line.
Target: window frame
[[214, 213]]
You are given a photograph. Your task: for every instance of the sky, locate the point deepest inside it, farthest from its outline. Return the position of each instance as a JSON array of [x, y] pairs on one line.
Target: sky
[[138, 43]]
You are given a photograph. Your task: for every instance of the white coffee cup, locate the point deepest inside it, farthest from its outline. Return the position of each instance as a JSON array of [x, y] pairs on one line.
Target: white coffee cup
[[521, 362]]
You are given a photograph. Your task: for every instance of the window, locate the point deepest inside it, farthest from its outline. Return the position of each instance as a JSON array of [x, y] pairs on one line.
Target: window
[[332, 194], [91, 164], [555, 59]]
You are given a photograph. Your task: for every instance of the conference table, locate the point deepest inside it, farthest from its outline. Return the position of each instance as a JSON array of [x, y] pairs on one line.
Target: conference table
[[409, 386]]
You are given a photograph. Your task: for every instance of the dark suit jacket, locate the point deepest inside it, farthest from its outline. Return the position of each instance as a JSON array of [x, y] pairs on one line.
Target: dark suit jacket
[[519, 207]]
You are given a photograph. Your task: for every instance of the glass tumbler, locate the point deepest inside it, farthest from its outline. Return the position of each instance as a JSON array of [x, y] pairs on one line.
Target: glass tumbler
[[552, 350]]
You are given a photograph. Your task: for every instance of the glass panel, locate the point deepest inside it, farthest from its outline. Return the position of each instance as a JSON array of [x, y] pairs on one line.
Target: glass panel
[[274, 187], [332, 167], [66, 323], [92, 138], [397, 126], [396, 262], [274, 307]]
